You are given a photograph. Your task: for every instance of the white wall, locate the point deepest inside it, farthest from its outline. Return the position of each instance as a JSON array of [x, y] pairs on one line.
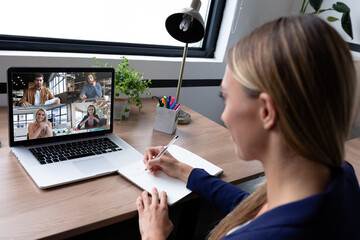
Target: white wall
[[354, 5], [205, 100], [355, 131]]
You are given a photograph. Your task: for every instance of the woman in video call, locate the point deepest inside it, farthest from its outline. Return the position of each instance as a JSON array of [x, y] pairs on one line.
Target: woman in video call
[[91, 119], [41, 127], [92, 89]]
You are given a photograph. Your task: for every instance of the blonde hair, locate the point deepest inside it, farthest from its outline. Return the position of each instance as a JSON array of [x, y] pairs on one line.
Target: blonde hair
[[308, 70]]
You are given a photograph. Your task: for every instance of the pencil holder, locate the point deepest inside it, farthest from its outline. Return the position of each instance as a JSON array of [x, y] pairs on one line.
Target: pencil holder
[[166, 119]]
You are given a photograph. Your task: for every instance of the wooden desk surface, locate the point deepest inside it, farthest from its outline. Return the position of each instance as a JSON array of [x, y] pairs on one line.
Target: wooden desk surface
[[27, 212]]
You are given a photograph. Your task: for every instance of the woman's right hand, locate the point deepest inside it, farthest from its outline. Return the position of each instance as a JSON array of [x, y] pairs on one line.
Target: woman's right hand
[[43, 125], [166, 163]]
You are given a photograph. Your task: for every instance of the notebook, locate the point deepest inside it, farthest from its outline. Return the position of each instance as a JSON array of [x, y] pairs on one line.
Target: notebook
[[70, 139], [174, 188]]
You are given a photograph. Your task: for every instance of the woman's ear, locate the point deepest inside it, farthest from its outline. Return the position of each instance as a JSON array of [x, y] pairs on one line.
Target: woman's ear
[[267, 110]]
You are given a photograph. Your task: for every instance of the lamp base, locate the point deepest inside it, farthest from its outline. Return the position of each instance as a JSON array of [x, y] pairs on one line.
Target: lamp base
[[184, 117]]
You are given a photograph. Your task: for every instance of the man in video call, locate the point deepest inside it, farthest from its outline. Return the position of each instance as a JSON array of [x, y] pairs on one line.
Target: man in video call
[[38, 94]]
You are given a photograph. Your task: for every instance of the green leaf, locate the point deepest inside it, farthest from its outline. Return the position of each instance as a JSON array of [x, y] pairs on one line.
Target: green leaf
[[316, 4], [341, 7], [332, 19], [346, 24], [302, 9], [129, 82], [324, 10]]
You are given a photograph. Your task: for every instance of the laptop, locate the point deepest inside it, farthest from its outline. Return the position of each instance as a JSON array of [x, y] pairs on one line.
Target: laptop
[[65, 137]]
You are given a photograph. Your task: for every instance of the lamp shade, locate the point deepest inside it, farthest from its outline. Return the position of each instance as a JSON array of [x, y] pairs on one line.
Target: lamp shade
[[195, 31]]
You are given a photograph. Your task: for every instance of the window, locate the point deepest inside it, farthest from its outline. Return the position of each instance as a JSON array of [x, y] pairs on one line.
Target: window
[[57, 83], [23, 120], [63, 115], [108, 26], [58, 115], [79, 116]]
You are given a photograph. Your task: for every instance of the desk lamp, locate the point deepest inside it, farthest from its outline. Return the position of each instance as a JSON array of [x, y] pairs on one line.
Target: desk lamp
[[186, 26]]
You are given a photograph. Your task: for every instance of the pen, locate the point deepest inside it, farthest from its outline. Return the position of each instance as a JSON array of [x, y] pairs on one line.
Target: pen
[[173, 105], [165, 101], [172, 101], [176, 107], [169, 102], [166, 147]]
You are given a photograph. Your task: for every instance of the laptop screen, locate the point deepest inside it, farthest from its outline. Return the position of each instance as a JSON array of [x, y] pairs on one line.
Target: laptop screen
[[51, 104]]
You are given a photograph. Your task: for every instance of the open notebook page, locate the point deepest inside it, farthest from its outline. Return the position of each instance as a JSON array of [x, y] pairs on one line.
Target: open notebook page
[[175, 188]]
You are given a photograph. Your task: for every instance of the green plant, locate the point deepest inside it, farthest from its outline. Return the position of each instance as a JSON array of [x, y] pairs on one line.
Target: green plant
[[338, 7], [129, 82]]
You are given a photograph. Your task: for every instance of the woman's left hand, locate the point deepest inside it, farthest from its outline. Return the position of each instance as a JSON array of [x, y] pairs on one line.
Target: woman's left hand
[[154, 221]]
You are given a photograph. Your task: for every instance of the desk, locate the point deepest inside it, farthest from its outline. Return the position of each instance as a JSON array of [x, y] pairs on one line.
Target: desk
[[27, 212]]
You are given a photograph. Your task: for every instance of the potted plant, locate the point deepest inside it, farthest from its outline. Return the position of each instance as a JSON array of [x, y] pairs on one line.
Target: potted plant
[[338, 7], [130, 85]]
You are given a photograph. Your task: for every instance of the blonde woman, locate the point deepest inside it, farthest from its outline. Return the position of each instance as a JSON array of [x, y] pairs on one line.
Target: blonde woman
[[289, 89], [41, 127]]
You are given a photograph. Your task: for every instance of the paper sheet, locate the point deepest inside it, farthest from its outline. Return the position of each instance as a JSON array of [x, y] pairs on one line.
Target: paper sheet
[[175, 188], [51, 101]]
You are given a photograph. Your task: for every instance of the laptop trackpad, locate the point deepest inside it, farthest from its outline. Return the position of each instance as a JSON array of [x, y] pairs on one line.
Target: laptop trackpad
[[94, 166]]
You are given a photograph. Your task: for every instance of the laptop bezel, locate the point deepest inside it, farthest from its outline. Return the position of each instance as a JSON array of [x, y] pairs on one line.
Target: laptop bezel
[[56, 139]]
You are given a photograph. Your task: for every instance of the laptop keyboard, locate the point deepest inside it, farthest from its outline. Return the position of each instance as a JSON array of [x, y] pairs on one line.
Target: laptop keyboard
[[73, 150]]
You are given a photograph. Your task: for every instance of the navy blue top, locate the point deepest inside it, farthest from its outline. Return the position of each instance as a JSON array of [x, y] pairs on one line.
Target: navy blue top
[[92, 91], [95, 122], [333, 214]]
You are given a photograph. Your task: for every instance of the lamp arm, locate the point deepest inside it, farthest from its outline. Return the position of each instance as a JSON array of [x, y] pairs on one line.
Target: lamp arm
[[181, 72]]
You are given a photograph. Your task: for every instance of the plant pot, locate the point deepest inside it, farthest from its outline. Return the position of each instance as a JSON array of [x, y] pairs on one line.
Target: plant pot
[[121, 108]]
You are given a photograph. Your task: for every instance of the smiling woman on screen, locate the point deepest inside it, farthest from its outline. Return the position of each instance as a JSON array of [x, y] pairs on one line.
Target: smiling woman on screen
[[41, 127]]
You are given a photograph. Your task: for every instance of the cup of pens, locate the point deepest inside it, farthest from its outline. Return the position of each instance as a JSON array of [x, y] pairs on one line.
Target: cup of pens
[[166, 116]]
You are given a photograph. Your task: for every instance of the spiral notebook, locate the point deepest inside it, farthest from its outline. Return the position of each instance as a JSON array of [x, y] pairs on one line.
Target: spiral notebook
[[175, 188]]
